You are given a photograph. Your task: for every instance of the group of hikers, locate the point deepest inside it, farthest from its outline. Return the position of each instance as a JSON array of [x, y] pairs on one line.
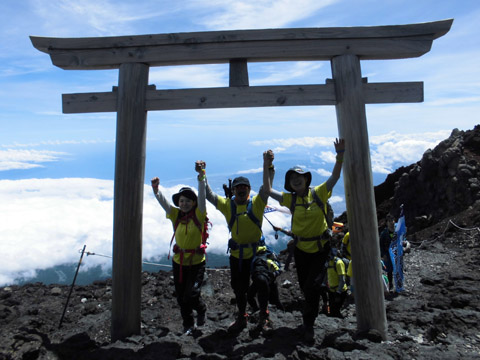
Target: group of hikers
[[253, 266]]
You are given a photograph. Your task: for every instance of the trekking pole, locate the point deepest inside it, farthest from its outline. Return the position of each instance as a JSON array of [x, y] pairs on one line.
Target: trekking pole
[[273, 226], [71, 288]]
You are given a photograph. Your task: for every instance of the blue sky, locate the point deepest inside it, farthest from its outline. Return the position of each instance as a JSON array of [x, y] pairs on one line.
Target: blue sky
[[56, 170]]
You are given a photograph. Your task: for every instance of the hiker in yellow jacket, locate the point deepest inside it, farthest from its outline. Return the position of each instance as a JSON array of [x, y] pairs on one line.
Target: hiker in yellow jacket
[[308, 227], [244, 216], [188, 219]]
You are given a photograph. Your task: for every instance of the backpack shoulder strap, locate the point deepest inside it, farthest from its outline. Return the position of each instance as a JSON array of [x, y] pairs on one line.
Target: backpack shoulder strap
[[194, 218], [251, 215], [317, 199], [292, 204], [321, 205], [233, 214]]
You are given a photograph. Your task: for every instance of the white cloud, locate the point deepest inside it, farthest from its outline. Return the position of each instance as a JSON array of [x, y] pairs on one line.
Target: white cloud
[[194, 76], [388, 151], [250, 171], [391, 149], [65, 17], [254, 14], [284, 144], [336, 199], [284, 72], [45, 222], [57, 142], [323, 172], [26, 159]]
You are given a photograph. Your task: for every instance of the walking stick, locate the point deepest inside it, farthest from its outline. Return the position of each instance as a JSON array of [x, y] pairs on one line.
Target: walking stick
[[71, 288]]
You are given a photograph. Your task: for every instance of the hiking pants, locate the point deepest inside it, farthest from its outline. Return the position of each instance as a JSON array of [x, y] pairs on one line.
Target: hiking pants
[[189, 291], [309, 266], [240, 281], [336, 301], [262, 284]]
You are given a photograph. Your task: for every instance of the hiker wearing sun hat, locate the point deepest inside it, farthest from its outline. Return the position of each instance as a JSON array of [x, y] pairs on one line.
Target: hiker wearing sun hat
[[311, 246], [244, 215], [188, 217]]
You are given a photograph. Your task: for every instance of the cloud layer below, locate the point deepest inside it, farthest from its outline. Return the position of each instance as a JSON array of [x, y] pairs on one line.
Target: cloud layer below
[[46, 221]]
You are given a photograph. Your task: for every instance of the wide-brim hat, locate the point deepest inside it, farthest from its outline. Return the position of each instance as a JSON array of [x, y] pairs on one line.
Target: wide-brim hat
[[184, 191], [241, 180], [300, 171]]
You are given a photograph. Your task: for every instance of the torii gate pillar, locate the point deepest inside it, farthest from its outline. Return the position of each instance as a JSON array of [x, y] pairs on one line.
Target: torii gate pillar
[[128, 200], [359, 194]]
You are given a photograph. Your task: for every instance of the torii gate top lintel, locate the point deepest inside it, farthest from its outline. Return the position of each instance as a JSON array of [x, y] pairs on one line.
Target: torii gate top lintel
[[294, 44]]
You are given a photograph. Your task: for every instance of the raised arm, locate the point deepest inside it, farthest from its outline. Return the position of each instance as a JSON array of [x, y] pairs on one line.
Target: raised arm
[[337, 168], [200, 169], [268, 172], [160, 197], [211, 196]]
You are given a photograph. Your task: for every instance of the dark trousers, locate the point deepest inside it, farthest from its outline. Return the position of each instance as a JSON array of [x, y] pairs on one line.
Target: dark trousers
[[309, 268], [240, 281], [336, 301], [189, 290], [387, 260]]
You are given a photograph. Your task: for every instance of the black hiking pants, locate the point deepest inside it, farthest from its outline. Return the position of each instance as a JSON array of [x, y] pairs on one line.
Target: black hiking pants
[[240, 281], [309, 268], [189, 291]]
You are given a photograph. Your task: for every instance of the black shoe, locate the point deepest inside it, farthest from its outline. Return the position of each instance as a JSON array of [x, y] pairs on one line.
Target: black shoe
[[239, 324], [188, 330], [201, 319], [264, 321], [308, 334]]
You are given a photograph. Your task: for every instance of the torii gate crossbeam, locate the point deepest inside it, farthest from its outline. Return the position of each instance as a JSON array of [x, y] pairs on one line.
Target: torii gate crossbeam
[[343, 47]]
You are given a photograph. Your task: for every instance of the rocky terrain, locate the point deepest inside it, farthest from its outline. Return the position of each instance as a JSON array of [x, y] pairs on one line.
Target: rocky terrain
[[437, 317]]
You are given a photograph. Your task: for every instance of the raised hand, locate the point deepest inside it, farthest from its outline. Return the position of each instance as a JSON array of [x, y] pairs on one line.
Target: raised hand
[[339, 145], [268, 157], [200, 165]]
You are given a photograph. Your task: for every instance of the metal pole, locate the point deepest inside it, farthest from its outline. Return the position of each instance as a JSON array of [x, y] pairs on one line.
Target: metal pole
[[71, 288]]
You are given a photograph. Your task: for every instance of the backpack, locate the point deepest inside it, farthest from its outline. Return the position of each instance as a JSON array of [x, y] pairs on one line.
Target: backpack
[[201, 249], [202, 227], [250, 214], [329, 214]]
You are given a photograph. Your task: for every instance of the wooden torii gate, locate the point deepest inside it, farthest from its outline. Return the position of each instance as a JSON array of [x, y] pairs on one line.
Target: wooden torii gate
[[344, 47]]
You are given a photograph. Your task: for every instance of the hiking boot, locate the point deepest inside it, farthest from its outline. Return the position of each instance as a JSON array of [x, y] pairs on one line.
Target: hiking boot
[[308, 334], [239, 324], [325, 310], [265, 325], [188, 330], [200, 319]]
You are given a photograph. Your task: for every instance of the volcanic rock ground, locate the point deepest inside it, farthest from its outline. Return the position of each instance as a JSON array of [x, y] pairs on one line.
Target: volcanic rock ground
[[436, 317]]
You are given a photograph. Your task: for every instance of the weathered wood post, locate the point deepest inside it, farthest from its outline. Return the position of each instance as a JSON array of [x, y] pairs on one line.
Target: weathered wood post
[[238, 72], [128, 200], [360, 198]]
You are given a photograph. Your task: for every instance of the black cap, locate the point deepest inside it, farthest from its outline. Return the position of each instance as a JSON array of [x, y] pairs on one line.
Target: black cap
[[298, 170], [184, 191], [240, 181]]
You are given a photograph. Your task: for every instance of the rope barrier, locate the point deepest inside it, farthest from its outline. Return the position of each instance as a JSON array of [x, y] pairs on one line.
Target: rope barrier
[[148, 263], [458, 227], [425, 242]]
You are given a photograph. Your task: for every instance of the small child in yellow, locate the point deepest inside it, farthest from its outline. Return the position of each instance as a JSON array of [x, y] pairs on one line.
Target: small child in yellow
[[337, 287], [346, 252]]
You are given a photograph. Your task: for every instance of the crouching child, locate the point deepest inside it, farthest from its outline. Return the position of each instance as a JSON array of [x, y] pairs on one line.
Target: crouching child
[[265, 270]]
